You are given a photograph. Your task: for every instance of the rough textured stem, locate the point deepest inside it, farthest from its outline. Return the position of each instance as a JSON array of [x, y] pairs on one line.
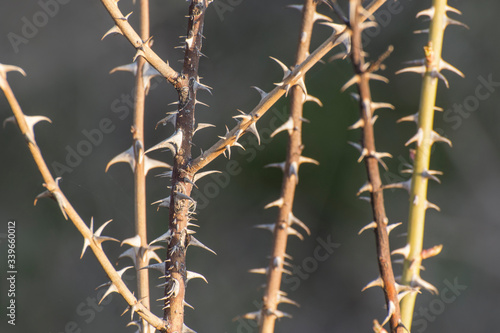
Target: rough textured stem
[[68, 209], [418, 195], [180, 208], [139, 174], [290, 180], [372, 168]]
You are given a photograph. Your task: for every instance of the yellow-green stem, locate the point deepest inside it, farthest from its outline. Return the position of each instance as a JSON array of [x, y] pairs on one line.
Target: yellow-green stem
[[418, 195]]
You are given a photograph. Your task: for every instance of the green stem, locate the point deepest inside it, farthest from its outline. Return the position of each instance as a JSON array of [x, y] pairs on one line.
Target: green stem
[[418, 195]]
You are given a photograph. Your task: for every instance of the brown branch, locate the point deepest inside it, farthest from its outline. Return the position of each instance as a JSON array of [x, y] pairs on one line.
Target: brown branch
[[271, 298], [142, 258], [68, 211], [143, 47], [180, 203], [372, 159]]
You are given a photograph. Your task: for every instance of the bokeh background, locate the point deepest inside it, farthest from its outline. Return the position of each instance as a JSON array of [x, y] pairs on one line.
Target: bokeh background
[[67, 66]]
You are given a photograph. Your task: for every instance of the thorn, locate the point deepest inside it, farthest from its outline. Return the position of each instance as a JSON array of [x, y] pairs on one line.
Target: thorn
[[276, 203], [150, 163], [404, 251], [418, 138], [391, 227], [435, 137], [316, 100], [186, 329], [253, 125], [412, 117], [173, 143], [200, 175], [160, 267], [294, 220], [165, 202], [284, 299], [261, 92], [170, 118], [431, 174], [202, 126], [366, 187], [96, 236], [293, 171], [418, 281], [303, 159], [406, 185], [193, 275], [194, 242], [4, 69], [163, 238], [371, 225], [390, 312], [288, 126], [378, 282], [31, 121], [258, 271], [431, 205], [112, 288], [127, 157], [114, 30], [433, 251], [276, 165]]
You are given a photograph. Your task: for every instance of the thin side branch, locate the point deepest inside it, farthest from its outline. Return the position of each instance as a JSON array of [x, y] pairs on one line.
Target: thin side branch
[[372, 159], [68, 211], [273, 296]]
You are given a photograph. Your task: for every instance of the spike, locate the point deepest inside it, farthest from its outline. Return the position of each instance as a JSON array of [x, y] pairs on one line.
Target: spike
[[112, 288], [192, 275], [279, 314], [132, 241], [371, 225], [276, 203], [269, 226], [160, 267], [31, 121], [431, 174], [293, 220], [354, 80], [194, 242], [378, 282], [150, 163], [96, 236], [418, 138], [251, 316], [197, 86], [276, 165], [165, 202], [435, 137], [288, 126], [418, 281], [406, 185], [170, 118], [163, 238], [380, 105], [303, 159], [292, 231], [127, 157], [444, 65], [139, 53], [202, 126], [258, 270], [173, 143], [364, 188], [390, 312], [293, 170], [253, 126], [131, 253], [391, 227], [431, 205], [286, 70], [114, 30], [412, 117], [261, 92], [284, 299], [200, 175], [404, 251], [4, 69]]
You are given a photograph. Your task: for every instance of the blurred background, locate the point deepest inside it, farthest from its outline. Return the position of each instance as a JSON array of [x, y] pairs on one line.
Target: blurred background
[[60, 48]]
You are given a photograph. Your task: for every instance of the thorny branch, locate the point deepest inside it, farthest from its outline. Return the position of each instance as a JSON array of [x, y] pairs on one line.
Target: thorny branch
[[92, 239], [372, 158], [283, 226]]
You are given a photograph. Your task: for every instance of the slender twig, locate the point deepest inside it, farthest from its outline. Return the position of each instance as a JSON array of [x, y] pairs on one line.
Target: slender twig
[[372, 159], [272, 295], [139, 174], [92, 239], [430, 68]]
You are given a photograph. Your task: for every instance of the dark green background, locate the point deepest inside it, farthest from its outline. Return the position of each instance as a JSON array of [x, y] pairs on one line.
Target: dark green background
[[67, 66]]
